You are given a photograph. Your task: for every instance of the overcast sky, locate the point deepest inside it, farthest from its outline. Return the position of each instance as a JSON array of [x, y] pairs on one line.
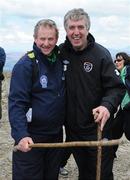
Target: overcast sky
[[110, 21]]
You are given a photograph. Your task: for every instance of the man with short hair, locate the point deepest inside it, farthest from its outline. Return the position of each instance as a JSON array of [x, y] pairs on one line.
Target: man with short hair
[[42, 98], [94, 91]]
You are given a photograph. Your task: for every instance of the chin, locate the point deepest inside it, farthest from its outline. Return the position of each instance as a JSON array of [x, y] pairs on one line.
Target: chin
[[78, 48], [46, 53]]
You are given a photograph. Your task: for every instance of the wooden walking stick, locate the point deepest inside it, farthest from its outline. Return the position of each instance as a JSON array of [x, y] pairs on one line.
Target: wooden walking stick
[[99, 154], [75, 144]]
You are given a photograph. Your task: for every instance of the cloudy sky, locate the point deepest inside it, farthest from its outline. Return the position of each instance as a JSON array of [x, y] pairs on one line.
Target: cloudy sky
[[110, 21]]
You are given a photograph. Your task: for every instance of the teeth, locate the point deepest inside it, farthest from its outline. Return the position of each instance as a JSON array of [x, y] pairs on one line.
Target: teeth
[[77, 38]]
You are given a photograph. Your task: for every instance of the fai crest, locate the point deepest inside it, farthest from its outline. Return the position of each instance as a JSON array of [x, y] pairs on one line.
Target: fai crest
[[44, 81], [88, 66]]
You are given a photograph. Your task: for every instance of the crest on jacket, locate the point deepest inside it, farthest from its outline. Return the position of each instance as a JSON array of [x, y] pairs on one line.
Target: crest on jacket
[[44, 81], [88, 66]]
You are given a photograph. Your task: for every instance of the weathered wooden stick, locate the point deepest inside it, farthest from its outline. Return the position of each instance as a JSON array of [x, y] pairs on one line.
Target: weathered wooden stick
[[75, 144], [99, 154]]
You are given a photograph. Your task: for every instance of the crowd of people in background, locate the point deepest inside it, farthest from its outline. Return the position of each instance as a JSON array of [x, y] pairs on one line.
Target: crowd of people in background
[[76, 85]]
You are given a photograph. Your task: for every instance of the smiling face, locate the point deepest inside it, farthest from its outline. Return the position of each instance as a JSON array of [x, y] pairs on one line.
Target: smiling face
[[46, 39], [77, 33], [119, 62]]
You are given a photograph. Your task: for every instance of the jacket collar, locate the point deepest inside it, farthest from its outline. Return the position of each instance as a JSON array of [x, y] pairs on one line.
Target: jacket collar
[[40, 56]]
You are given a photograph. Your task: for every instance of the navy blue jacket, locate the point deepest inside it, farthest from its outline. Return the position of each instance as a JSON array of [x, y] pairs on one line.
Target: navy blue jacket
[[2, 62], [46, 96], [127, 79], [2, 58]]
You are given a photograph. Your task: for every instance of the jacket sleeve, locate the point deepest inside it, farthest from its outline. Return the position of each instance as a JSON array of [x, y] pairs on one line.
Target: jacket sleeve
[[19, 99], [2, 58], [113, 87]]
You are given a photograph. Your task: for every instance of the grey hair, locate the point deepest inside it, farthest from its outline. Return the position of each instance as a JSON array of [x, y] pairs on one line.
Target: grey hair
[[45, 23], [77, 14]]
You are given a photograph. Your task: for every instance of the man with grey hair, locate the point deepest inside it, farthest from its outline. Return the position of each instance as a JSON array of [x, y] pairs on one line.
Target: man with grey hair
[[94, 91], [36, 106]]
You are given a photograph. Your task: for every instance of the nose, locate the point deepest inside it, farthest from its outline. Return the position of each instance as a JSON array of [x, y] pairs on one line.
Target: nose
[[46, 42], [76, 31]]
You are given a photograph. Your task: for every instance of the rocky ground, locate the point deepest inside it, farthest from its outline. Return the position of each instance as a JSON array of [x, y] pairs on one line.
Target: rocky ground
[[121, 165]]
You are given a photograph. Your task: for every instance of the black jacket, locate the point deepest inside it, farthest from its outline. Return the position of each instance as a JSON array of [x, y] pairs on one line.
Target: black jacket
[[91, 81]]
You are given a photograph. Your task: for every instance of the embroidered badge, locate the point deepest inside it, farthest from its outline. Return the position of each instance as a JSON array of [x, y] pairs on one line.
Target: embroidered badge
[[44, 81], [88, 66]]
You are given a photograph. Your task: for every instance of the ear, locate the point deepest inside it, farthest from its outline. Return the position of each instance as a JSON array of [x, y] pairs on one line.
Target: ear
[[56, 39], [35, 40]]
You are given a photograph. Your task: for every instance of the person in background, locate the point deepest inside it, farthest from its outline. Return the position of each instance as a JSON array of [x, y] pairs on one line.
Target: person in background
[[121, 122], [94, 91], [2, 63], [45, 96]]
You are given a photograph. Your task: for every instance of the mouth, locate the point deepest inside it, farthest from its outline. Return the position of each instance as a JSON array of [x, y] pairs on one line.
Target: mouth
[[46, 48], [76, 38]]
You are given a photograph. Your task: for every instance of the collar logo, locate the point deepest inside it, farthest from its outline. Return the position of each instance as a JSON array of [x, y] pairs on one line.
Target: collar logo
[[88, 66], [44, 81], [65, 62]]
